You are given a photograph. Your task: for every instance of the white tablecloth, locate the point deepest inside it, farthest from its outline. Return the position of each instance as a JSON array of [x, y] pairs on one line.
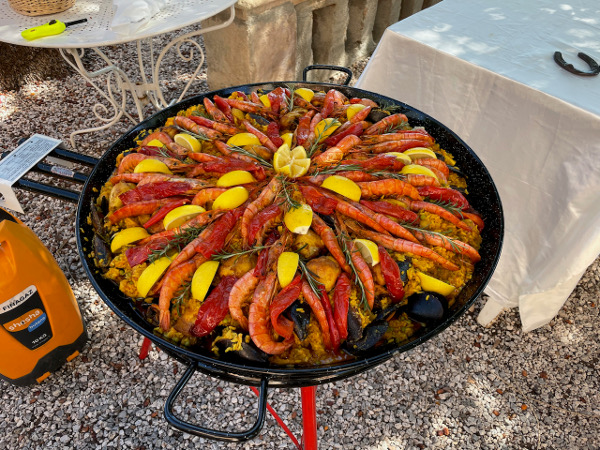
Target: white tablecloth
[[485, 69]]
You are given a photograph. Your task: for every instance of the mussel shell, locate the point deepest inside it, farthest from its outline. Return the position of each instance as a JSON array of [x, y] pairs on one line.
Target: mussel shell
[[404, 266], [376, 115], [259, 120], [300, 315], [355, 328], [328, 220], [385, 313], [372, 334], [426, 307], [247, 351], [456, 170], [102, 254]]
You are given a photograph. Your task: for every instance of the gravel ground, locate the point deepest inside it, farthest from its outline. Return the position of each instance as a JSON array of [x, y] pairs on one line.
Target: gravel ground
[[469, 387]]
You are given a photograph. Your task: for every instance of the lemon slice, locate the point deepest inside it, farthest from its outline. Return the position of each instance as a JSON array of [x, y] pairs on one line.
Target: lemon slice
[[265, 100], [203, 278], [287, 138], [155, 143], [428, 283], [325, 127], [292, 163], [401, 156], [287, 265], [238, 114], [353, 109], [305, 93], [181, 215], [151, 275], [418, 170], [298, 220], [235, 178], [342, 186], [420, 152], [188, 142], [242, 139], [151, 165], [231, 198], [127, 236], [369, 251]]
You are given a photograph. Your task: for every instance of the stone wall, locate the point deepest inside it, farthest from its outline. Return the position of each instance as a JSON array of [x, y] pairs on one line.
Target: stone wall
[[275, 39]]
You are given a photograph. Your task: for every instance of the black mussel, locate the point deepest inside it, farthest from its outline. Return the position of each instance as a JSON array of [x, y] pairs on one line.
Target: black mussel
[[103, 207], [259, 120], [328, 220], [404, 266], [426, 307], [247, 351], [377, 114], [372, 334], [456, 170], [152, 314], [355, 328], [300, 315], [385, 313], [97, 219], [102, 255]]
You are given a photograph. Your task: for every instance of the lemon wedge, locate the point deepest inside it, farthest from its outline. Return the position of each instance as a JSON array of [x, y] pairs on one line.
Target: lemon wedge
[[325, 127], [239, 115], [369, 251], [401, 156], [287, 138], [188, 142], [418, 170], [265, 100], [155, 143], [298, 220], [127, 236], [353, 109], [235, 178], [394, 201], [428, 283], [203, 278], [151, 275], [151, 165], [305, 93], [180, 215], [342, 186], [287, 265], [242, 139], [292, 163], [231, 198], [420, 152]]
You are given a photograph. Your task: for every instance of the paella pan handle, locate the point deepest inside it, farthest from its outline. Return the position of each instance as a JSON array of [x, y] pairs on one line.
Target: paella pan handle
[[209, 433], [328, 67]]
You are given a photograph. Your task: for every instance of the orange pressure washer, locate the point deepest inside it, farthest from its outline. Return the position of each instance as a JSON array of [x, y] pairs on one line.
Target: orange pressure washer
[[40, 322]]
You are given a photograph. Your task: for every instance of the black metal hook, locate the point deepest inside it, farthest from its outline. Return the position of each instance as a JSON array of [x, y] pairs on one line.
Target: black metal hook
[[594, 67]]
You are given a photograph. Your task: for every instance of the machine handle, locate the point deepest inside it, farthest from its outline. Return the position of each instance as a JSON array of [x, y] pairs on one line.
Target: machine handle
[[209, 433], [328, 67]]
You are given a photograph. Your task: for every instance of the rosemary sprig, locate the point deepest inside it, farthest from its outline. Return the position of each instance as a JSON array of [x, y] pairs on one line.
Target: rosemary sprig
[[226, 255], [311, 278], [344, 238], [338, 168], [180, 240], [385, 174], [291, 87], [191, 133], [201, 113], [241, 151], [293, 204], [313, 148], [182, 293], [433, 233], [450, 207]]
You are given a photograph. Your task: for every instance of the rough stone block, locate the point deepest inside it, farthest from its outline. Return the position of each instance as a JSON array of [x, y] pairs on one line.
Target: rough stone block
[[260, 45], [359, 38], [388, 13], [409, 7]]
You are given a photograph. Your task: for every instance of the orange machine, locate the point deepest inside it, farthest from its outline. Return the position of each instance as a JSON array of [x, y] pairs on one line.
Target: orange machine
[[40, 322]]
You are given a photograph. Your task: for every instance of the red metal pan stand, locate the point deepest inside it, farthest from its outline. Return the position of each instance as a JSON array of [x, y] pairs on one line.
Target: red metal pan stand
[[309, 410]]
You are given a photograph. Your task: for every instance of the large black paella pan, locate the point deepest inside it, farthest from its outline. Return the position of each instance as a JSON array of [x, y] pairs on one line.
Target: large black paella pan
[[482, 196]]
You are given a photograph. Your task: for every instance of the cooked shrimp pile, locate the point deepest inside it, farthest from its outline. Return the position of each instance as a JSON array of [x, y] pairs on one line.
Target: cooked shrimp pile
[[290, 226]]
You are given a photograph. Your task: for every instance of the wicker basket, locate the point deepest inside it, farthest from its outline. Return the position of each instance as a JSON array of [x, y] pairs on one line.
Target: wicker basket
[[40, 7]]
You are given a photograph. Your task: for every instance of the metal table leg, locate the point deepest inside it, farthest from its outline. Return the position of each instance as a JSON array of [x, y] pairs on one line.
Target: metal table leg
[[309, 417], [118, 84]]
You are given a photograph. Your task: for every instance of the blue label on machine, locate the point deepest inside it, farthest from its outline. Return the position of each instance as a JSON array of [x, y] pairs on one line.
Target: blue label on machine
[[37, 323]]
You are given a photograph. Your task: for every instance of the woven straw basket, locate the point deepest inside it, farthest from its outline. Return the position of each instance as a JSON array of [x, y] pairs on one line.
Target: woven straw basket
[[40, 7]]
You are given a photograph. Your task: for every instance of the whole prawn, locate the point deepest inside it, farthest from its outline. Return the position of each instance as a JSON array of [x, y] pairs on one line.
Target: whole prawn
[[240, 293], [388, 187], [265, 198]]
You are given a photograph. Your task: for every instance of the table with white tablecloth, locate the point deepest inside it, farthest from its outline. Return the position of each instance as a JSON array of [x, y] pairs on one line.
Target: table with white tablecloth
[[486, 70]]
